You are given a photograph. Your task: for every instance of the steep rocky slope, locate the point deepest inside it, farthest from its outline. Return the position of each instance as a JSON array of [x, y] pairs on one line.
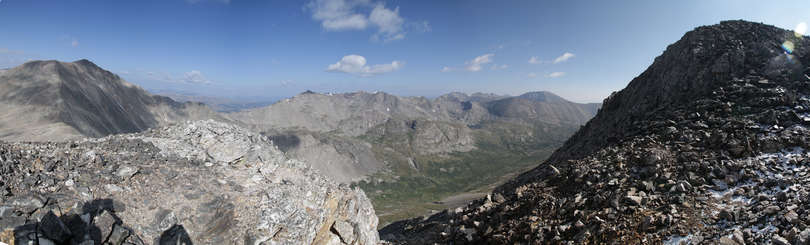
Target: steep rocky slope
[[52, 100], [708, 145], [200, 182]]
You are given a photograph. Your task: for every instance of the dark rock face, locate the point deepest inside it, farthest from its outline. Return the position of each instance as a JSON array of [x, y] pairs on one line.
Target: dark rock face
[[709, 145]]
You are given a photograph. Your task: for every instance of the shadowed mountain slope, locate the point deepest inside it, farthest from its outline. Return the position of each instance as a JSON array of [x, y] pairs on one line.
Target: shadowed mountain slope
[[52, 100]]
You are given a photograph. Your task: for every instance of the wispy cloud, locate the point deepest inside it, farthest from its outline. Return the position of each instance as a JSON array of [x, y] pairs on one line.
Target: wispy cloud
[[195, 77], [389, 23], [348, 15], [555, 74], [74, 43], [476, 64], [564, 57], [532, 75], [356, 65]]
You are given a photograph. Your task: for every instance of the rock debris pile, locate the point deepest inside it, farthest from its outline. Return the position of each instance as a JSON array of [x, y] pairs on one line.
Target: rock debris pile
[[200, 182]]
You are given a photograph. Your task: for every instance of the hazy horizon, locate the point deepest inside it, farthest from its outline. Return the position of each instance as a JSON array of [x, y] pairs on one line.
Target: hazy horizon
[[272, 50]]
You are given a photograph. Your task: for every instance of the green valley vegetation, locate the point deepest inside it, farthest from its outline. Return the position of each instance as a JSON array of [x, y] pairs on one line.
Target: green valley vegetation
[[416, 185]]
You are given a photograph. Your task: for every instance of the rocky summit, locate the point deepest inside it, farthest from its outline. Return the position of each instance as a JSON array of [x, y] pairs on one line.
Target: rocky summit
[[200, 182], [708, 146]]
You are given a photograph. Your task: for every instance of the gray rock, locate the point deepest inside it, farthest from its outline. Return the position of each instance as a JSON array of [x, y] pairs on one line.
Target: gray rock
[[633, 200], [27, 203], [176, 235], [224, 203], [118, 235], [804, 237], [771, 210], [792, 217], [126, 171], [778, 240], [53, 228], [103, 223], [345, 231]]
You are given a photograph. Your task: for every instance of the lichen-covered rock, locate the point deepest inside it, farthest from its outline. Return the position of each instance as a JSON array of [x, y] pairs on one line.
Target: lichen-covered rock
[[218, 183]]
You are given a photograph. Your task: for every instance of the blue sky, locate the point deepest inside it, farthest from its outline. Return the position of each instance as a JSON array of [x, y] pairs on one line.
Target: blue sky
[[581, 50]]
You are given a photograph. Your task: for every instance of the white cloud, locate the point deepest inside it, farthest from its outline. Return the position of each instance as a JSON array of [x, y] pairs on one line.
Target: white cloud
[[194, 77], [564, 57], [356, 64], [555, 74], [339, 15], [346, 15], [286, 83], [532, 75], [352, 22], [475, 64], [74, 43], [388, 21]]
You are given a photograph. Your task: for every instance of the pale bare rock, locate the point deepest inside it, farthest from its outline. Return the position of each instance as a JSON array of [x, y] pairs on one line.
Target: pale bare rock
[[252, 193]]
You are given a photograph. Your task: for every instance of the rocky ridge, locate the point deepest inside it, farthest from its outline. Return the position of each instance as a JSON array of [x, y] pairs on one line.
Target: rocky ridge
[[200, 182], [709, 145], [55, 101]]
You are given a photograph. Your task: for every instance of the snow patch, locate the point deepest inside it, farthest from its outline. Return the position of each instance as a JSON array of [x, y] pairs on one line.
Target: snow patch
[[678, 240]]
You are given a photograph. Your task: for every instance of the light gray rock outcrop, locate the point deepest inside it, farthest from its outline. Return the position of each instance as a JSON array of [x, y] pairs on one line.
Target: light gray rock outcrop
[[205, 181]]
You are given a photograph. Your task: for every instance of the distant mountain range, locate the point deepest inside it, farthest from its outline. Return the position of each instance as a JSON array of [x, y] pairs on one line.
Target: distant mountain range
[[394, 147], [220, 104]]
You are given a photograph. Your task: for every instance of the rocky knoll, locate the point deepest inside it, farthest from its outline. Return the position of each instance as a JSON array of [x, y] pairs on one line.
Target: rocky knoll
[[200, 182], [708, 146]]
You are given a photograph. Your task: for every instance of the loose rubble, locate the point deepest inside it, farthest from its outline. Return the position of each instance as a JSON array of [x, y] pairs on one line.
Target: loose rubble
[[199, 182], [710, 145]]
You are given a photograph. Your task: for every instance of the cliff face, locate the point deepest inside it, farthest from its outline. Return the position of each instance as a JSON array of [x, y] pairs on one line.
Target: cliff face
[[708, 145], [203, 182]]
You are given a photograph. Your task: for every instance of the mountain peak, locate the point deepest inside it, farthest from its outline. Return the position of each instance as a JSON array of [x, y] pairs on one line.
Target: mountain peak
[[86, 63], [543, 96]]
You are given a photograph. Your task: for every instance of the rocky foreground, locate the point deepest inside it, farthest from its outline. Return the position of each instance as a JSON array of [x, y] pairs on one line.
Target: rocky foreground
[[710, 145], [195, 183]]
